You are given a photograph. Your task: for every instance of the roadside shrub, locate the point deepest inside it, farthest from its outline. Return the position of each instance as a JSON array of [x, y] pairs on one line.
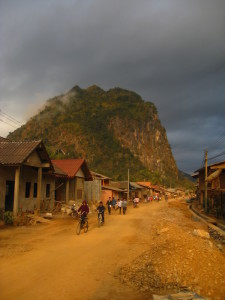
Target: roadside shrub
[[8, 218]]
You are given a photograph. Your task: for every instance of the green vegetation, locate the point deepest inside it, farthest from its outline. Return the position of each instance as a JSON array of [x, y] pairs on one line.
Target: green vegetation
[[8, 218], [78, 123]]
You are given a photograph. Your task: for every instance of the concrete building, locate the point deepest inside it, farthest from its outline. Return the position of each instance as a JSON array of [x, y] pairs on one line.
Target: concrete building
[[26, 176]]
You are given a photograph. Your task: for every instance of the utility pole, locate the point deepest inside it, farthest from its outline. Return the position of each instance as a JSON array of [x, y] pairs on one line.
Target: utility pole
[[128, 184], [206, 183]]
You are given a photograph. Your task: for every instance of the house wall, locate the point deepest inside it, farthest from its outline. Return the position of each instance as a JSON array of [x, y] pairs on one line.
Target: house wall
[[145, 192], [136, 194], [76, 189], [92, 190], [33, 159], [79, 188], [5, 174], [2, 190], [222, 180], [49, 201], [201, 181], [60, 186], [72, 188], [105, 194], [117, 195], [27, 174]]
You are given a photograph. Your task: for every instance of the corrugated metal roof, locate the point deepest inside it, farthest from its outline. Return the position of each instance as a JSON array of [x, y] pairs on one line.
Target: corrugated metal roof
[[136, 186], [209, 166], [123, 185], [72, 166], [15, 153], [145, 184], [119, 184], [108, 187], [99, 175], [2, 139]]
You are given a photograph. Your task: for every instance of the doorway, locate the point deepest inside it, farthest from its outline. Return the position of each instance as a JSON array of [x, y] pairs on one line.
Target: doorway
[[9, 195]]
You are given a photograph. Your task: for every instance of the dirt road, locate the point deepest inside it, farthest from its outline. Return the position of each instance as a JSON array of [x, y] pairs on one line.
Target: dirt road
[[51, 262]]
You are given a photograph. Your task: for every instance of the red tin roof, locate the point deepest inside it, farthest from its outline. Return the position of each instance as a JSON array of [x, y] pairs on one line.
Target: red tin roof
[[72, 166]]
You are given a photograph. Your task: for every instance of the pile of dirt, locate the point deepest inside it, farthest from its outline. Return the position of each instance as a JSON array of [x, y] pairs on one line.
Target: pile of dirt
[[177, 258], [31, 219]]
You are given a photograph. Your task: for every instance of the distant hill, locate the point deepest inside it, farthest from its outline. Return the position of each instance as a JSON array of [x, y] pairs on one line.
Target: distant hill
[[113, 130], [186, 180]]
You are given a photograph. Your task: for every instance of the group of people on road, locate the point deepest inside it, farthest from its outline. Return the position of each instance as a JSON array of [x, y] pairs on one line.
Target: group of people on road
[[120, 204], [112, 203]]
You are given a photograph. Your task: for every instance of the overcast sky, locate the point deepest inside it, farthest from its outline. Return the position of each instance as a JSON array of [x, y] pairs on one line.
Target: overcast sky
[[171, 52]]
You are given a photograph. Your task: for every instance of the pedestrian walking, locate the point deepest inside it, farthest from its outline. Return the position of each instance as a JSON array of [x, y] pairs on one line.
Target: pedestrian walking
[[120, 205], [135, 202], [114, 203], [109, 205], [124, 205]]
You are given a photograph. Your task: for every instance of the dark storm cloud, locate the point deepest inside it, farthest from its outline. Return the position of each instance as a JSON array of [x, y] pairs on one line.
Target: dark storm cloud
[[170, 52]]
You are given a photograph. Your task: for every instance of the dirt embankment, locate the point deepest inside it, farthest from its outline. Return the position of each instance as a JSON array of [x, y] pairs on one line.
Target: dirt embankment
[[151, 250], [177, 258]]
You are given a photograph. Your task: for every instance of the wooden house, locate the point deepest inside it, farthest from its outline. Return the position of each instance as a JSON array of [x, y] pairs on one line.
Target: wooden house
[[113, 192], [215, 188], [135, 190], [26, 176], [147, 189]]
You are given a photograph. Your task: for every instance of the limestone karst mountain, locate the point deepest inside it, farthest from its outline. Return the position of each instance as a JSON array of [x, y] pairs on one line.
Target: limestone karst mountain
[[113, 130]]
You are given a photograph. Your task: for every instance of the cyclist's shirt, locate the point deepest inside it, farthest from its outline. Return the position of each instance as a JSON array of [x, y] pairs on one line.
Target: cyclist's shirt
[[84, 210], [101, 209]]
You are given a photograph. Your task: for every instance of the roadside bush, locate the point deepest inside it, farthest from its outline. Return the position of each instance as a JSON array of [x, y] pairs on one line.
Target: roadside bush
[[8, 218]]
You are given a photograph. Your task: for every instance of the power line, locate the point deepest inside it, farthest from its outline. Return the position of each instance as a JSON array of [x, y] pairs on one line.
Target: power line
[[10, 118], [218, 155], [222, 140], [219, 141], [7, 123]]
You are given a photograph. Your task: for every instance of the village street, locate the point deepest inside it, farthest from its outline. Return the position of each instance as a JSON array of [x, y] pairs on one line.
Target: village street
[[151, 250]]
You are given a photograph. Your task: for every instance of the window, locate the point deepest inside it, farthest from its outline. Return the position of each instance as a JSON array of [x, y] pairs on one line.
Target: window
[[35, 190], [27, 190], [47, 190]]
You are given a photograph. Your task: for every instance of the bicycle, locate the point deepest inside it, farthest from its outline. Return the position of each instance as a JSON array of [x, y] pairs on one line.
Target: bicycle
[[74, 213], [100, 220], [82, 224]]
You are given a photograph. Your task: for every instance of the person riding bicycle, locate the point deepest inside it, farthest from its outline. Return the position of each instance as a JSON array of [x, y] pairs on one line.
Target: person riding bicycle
[[84, 210], [101, 210]]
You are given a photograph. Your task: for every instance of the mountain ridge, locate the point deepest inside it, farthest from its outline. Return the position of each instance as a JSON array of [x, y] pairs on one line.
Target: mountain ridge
[[113, 130]]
